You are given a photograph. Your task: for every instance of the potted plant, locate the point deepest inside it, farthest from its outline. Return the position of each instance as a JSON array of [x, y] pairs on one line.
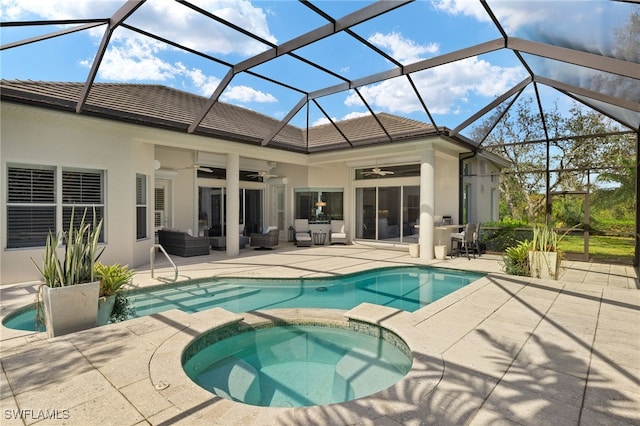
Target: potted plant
[[544, 259], [112, 278], [67, 301]]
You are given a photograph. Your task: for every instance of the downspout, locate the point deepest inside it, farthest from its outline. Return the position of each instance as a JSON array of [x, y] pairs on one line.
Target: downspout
[[461, 158]]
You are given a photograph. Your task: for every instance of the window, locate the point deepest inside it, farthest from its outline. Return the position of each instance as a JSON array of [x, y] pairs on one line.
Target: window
[[159, 208], [31, 206], [466, 203], [82, 194], [141, 206], [41, 199], [319, 204]]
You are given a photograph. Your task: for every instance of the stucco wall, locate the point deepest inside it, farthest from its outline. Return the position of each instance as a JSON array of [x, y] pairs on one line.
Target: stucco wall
[[446, 186], [31, 136], [482, 204]]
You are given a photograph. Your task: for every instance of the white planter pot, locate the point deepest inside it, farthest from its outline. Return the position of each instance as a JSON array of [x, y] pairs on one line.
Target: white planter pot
[[414, 250], [105, 308], [440, 252], [544, 264], [71, 308]]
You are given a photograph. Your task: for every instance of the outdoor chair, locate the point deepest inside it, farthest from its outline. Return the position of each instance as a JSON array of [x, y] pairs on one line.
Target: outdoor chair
[[268, 239], [220, 242], [302, 232], [476, 240], [463, 240], [338, 233]]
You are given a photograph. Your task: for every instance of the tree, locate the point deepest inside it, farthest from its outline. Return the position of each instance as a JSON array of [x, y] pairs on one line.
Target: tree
[[579, 145], [523, 183], [619, 181]]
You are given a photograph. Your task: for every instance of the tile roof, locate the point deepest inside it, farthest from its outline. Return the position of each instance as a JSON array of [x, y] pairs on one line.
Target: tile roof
[[166, 107]]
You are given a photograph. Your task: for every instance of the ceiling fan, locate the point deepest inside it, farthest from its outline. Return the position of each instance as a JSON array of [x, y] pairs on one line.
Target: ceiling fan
[[377, 171], [199, 168], [262, 174]]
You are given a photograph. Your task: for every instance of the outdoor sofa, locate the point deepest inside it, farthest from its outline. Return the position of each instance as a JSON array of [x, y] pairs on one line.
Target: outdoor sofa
[[182, 244]]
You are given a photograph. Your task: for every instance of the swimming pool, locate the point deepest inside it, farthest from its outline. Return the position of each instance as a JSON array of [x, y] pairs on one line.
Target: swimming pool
[[405, 287]]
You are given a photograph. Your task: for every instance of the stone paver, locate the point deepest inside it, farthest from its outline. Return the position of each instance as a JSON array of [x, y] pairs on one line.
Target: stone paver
[[503, 350]]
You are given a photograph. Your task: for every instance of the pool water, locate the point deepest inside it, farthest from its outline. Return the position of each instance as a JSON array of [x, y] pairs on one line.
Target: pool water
[[408, 288], [297, 366]]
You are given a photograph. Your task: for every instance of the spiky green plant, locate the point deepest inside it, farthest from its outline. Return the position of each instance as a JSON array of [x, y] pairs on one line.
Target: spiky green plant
[[516, 259], [81, 253], [113, 278], [545, 238], [80, 256]]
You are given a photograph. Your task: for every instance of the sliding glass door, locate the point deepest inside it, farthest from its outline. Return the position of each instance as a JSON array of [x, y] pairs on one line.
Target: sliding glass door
[[212, 210], [387, 213]]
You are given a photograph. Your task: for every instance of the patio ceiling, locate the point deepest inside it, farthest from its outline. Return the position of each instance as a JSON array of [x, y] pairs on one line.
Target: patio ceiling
[[381, 59]]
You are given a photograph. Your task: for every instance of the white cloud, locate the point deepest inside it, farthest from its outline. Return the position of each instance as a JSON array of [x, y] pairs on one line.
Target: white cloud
[[511, 15], [404, 50], [206, 83], [136, 60], [165, 17], [132, 56], [466, 7], [441, 88], [245, 94], [56, 9], [189, 28], [349, 116], [322, 120], [355, 114]]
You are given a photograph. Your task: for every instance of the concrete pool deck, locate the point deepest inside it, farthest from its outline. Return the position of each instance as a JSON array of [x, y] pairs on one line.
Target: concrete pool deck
[[502, 350]]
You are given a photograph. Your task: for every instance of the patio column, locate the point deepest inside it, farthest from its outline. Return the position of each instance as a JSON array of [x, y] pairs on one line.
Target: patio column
[[233, 204], [427, 202]]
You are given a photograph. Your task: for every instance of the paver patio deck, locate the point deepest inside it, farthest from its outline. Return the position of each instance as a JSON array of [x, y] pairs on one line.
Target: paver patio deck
[[502, 350]]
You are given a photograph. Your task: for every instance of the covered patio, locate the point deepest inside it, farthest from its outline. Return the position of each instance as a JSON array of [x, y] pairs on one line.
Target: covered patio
[[503, 349]]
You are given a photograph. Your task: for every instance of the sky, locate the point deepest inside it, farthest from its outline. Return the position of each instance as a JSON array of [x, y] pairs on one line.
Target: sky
[[421, 30]]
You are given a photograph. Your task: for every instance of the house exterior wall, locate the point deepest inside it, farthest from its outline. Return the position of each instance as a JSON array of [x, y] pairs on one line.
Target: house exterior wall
[[31, 136], [485, 190], [185, 188], [43, 137], [446, 186]]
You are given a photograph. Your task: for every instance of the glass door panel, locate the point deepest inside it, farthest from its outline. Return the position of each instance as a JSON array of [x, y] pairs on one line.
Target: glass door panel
[[410, 213], [366, 213], [253, 220], [389, 213]]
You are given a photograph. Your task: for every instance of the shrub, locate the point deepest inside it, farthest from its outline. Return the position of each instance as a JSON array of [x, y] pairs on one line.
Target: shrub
[[497, 236], [516, 259]]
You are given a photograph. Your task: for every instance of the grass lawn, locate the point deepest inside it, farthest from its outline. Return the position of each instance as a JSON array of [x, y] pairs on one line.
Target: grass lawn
[[601, 248]]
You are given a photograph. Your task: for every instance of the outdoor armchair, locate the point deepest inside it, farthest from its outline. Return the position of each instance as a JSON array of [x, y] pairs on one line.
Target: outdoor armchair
[[269, 239], [338, 233], [302, 232]]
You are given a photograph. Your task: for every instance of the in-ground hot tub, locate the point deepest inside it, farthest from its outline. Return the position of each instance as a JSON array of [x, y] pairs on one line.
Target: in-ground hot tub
[[297, 364]]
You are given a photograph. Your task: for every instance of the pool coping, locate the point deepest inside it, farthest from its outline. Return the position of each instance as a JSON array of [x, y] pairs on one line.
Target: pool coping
[[169, 379]]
